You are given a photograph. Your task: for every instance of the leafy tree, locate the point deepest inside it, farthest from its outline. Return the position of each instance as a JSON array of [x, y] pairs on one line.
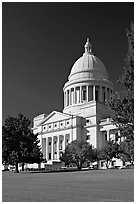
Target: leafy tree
[[108, 151], [123, 102], [126, 151], [78, 152], [19, 144]]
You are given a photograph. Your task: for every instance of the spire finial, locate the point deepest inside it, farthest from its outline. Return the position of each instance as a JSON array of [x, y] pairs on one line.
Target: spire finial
[[88, 47]]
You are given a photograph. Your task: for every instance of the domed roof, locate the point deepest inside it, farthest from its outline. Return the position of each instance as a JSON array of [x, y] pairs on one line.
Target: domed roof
[[88, 66]]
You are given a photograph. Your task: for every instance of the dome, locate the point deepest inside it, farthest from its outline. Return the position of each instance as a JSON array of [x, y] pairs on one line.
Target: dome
[[88, 67]]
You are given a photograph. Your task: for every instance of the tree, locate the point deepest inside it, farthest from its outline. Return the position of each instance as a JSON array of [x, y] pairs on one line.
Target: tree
[[32, 153], [19, 144], [108, 151], [122, 103], [78, 152], [126, 151]]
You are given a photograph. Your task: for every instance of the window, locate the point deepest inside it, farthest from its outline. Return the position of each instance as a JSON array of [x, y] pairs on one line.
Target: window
[[104, 96], [106, 137], [88, 137], [55, 125], [49, 143], [113, 163], [84, 95], [49, 126], [44, 127], [90, 93], [49, 156], [61, 124], [96, 95], [124, 163], [60, 145], [87, 121], [102, 164], [67, 122]]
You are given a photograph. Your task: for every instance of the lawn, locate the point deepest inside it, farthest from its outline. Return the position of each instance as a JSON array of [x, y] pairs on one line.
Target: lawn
[[83, 186]]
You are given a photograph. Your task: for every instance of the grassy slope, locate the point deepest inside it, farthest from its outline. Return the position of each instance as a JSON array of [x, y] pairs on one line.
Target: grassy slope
[[101, 185]]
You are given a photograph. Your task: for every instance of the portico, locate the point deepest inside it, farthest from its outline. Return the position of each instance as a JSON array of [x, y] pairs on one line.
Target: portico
[[52, 147]]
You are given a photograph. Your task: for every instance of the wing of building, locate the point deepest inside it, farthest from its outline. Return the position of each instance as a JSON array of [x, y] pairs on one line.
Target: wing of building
[[85, 115]]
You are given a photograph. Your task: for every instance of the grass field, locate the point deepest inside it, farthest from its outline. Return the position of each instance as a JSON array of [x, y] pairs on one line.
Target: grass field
[[83, 186]]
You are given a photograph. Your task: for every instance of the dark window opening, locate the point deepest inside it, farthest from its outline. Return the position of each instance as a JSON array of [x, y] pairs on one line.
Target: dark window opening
[[49, 156], [49, 143], [88, 137], [84, 95], [102, 164], [113, 163], [106, 137], [104, 96], [60, 145], [96, 95]]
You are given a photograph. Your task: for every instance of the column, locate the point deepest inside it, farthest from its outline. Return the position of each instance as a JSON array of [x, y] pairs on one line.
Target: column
[[80, 94], [64, 142], [58, 147], [108, 135], [43, 148], [47, 148], [70, 97], [74, 95], [87, 96], [94, 93], [52, 144], [66, 98]]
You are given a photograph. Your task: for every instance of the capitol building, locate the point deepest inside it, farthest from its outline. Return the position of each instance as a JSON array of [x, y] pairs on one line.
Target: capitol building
[[86, 115]]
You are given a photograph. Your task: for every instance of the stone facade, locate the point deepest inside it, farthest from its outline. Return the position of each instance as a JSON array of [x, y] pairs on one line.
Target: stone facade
[[85, 115]]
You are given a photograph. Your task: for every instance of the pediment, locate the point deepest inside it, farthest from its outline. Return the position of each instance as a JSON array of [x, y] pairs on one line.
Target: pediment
[[54, 117]]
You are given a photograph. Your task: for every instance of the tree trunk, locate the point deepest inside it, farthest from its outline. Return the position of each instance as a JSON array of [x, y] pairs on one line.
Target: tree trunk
[[23, 166], [79, 166], [39, 166], [16, 168], [107, 165]]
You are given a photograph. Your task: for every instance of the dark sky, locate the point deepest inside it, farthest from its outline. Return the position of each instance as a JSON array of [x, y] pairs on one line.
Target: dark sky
[[41, 42]]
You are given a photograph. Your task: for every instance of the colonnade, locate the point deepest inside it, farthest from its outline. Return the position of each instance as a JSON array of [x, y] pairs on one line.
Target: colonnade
[[115, 136], [53, 146], [86, 93]]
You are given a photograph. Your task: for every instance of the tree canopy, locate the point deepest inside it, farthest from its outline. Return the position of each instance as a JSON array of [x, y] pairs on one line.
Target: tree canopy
[[108, 151], [78, 152], [122, 102], [19, 144]]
